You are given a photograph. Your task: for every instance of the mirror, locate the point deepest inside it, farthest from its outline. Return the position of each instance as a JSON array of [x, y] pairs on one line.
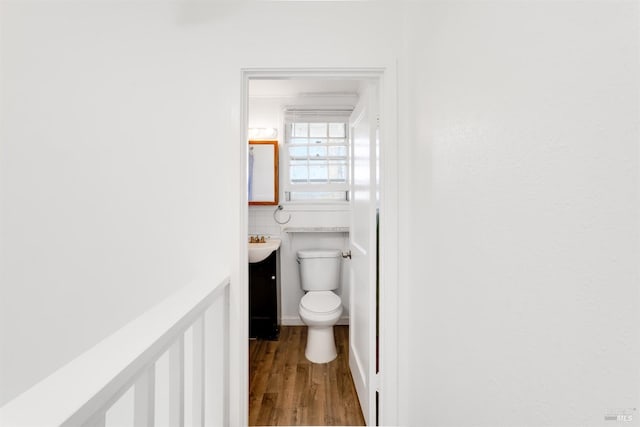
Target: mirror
[[263, 172]]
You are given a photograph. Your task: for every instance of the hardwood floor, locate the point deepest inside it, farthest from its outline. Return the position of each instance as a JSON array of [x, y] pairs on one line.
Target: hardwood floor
[[286, 389]]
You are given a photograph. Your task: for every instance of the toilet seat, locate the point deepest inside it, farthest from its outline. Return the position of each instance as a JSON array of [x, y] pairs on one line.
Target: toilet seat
[[320, 302]]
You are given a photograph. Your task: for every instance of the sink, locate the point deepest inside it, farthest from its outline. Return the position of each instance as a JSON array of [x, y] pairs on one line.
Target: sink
[[260, 251]]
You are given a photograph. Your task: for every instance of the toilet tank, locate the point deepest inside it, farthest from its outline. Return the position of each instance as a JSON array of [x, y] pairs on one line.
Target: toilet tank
[[319, 269]]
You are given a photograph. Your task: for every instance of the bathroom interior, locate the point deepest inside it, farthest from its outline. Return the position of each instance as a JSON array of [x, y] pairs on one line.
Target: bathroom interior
[[299, 219]]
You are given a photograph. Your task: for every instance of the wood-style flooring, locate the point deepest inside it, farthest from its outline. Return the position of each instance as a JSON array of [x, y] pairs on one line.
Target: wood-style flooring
[[286, 389]]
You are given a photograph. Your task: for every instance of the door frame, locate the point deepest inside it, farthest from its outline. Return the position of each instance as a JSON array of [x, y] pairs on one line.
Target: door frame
[[386, 77]]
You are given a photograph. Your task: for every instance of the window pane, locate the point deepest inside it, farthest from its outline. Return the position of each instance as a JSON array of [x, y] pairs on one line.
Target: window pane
[[318, 129], [298, 152], [317, 151], [318, 171], [298, 174], [337, 130], [338, 172], [298, 141], [300, 129], [338, 151]]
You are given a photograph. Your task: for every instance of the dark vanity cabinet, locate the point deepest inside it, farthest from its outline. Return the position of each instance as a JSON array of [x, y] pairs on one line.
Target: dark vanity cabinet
[[264, 298]]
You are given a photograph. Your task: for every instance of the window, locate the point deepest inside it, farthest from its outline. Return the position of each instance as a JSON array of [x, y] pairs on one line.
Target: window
[[317, 156]]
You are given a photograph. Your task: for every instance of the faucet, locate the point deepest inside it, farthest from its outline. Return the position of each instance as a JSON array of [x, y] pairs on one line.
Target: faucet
[[257, 239]]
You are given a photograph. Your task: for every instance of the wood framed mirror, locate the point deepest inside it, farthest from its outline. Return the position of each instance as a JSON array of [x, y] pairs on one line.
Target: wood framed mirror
[[263, 173]]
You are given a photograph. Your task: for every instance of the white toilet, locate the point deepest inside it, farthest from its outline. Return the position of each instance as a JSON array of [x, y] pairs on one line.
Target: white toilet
[[320, 308]]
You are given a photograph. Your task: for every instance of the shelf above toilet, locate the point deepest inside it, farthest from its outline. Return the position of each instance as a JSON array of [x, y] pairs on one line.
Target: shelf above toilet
[[316, 229]]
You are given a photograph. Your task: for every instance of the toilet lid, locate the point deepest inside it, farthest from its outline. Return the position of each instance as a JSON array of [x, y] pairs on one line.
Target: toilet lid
[[320, 301]]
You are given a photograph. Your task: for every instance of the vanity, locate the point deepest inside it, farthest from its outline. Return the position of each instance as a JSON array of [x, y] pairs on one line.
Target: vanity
[[264, 290]]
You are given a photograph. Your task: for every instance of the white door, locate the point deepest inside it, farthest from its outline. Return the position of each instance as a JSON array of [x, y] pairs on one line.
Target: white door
[[362, 239]]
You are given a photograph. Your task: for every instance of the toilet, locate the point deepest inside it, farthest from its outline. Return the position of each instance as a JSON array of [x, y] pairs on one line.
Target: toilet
[[320, 308]]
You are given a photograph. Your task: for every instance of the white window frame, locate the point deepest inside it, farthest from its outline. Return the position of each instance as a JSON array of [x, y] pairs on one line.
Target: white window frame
[[315, 115]]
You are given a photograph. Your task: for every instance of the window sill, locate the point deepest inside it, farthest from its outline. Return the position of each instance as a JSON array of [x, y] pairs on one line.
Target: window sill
[[316, 206]]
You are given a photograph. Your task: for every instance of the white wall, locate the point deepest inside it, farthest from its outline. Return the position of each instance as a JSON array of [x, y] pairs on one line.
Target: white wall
[[518, 184], [113, 123], [520, 213]]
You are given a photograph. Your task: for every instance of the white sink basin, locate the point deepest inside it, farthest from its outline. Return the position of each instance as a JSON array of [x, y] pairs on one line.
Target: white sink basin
[[260, 251]]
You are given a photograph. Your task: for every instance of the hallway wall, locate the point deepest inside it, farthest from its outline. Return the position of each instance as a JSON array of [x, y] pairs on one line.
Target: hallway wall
[[519, 185], [109, 164], [521, 216]]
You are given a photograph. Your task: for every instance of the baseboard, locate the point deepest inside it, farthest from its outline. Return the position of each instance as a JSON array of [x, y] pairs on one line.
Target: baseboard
[[296, 321]]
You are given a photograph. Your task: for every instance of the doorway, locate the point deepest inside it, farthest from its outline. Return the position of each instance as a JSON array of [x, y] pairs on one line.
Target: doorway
[[372, 351]]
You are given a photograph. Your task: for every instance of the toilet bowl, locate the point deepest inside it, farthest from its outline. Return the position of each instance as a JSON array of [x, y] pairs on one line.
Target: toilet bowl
[[320, 308]]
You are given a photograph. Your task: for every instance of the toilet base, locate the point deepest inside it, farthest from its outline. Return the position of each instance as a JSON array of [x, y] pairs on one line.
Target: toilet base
[[321, 345]]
